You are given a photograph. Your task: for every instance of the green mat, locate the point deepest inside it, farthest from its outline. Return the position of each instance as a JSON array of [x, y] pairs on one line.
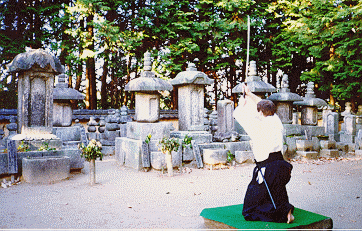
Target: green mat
[[232, 216]]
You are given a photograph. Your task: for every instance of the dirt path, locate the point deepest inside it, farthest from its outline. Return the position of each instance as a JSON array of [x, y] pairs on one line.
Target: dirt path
[[124, 198]]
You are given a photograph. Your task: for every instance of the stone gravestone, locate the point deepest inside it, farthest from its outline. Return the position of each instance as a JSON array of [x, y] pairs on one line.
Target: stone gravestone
[[348, 132], [12, 157], [331, 126], [36, 73], [225, 120]]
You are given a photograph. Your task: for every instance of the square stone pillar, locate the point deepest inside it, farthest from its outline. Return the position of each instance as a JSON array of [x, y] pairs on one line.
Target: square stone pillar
[[147, 107], [225, 119], [35, 102], [191, 107]]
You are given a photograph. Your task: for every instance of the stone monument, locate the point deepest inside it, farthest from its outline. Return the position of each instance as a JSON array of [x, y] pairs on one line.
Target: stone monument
[[62, 121], [36, 73], [190, 84], [132, 150], [309, 112], [255, 84], [284, 102]]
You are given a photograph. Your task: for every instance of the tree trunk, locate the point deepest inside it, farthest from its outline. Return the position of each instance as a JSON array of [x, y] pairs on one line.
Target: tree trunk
[[92, 172], [90, 69], [104, 104], [168, 158]]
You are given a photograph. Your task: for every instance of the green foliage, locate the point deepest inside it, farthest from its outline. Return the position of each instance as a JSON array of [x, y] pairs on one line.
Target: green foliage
[[148, 138], [23, 147], [230, 156], [312, 40], [92, 151], [167, 145], [45, 147], [187, 141]]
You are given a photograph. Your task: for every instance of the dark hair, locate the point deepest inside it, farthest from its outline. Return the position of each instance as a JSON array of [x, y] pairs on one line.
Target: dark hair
[[267, 107]]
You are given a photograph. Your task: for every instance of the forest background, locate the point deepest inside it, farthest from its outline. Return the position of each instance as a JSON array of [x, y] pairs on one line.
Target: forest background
[[101, 44]]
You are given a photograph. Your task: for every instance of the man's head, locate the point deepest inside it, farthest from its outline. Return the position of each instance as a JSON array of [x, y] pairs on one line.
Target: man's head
[[267, 107]]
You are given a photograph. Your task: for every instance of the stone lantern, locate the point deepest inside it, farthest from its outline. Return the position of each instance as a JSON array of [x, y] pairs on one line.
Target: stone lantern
[[133, 151], [190, 85], [255, 84], [147, 98], [284, 101], [310, 104], [36, 72], [62, 96]]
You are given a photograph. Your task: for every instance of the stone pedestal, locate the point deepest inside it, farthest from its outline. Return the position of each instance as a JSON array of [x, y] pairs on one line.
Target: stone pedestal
[[129, 150], [328, 149], [199, 137], [215, 156], [244, 157], [140, 131], [292, 129]]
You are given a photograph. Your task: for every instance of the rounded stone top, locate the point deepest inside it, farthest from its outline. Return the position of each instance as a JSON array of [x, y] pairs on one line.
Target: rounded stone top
[[255, 87], [255, 84], [191, 76], [62, 92], [285, 96], [313, 102], [148, 84], [309, 99], [25, 61]]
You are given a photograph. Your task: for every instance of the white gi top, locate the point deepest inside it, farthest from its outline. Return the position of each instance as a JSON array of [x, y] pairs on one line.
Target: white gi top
[[266, 133]]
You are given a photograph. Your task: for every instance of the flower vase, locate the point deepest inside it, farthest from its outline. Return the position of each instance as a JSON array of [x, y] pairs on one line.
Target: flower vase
[[92, 171], [168, 158]]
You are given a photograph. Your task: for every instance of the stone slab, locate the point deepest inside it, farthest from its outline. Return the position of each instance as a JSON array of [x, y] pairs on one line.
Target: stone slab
[[304, 145], [346, 138], [145, 155], [139, 131], [328, 144], [197, 154], [76, 161], [108, 150], [312, 130], [129, 152], [158, 160], [244, 157], [187, 153], [199, 137], [45, 169], [329, 153], [215, 156], [68, 133], [12, 157], [3, 163], [308, 154], [118, 150], [292, 129]]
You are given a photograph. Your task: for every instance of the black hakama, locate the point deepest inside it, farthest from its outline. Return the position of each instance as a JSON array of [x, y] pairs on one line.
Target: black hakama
[[257, 203]]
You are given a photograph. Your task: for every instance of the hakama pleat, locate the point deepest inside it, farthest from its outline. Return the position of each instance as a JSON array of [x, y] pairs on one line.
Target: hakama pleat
[[257, 203]]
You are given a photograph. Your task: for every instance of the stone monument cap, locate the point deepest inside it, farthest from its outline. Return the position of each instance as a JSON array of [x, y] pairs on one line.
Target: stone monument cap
[[255, 84], [25, 61], [62, 92], [284, 94], [191, 76], [310, 100], [148, 81]]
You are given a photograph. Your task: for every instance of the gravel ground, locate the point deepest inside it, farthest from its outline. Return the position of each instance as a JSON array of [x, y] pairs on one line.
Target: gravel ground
[[127, 199]]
